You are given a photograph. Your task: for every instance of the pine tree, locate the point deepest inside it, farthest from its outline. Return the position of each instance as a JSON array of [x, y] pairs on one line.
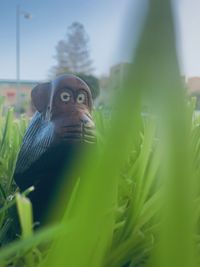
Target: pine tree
[[73, 54]]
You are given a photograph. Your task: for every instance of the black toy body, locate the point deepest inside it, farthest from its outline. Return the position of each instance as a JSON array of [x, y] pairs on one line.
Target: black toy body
[[60, 128]]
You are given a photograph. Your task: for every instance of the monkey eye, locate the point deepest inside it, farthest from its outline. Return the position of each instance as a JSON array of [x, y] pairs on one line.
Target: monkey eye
[[65, 96], [80, 98]]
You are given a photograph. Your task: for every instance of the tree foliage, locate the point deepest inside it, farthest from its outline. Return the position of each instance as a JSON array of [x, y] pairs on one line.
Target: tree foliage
[[73, 56], [73, 53]]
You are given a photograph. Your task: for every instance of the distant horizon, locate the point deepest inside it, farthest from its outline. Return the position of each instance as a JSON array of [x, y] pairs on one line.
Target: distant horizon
[[99, 77]]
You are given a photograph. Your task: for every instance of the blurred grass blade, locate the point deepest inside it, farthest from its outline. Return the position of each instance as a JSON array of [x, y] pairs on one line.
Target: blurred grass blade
[[93, 212], [24, 208], [157, 69], [22, 246]]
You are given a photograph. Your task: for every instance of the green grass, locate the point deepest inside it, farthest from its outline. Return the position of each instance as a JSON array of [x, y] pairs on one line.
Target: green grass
[[138, 204]]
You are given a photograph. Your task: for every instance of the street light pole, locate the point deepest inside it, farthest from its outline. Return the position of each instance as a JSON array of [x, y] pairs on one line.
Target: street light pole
[[18, 11], [26, 15]]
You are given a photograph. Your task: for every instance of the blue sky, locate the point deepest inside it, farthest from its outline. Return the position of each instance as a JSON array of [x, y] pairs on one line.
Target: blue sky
[[189, 33], [104, 21]]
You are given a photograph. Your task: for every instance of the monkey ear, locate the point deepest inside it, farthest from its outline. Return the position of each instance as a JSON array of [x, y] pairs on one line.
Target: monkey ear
[[40, 96]]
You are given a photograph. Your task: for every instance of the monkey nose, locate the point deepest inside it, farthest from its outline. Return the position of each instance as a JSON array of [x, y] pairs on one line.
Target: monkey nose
[[87, 121]]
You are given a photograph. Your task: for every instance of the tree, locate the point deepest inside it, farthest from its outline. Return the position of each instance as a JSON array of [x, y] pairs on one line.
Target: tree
[[73, 54], [61, 58]]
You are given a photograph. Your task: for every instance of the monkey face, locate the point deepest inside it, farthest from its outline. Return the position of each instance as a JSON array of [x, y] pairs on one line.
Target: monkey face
[[67, 103]]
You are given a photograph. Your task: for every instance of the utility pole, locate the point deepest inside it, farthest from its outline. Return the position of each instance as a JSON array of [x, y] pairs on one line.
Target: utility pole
[[18, 10], [26, 15]]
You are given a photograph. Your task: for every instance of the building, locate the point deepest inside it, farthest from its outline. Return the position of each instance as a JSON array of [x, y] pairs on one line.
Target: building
[[118, 74], [102, 99], [193, 85], [8, 90], [112, 83]]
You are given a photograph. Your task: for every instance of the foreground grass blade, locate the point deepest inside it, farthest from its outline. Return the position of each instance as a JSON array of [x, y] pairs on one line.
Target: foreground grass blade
[[157, 63], [24, 208], [92, 217]]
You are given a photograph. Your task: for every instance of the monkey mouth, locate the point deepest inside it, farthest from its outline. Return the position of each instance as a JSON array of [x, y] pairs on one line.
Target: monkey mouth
[[79, 134]]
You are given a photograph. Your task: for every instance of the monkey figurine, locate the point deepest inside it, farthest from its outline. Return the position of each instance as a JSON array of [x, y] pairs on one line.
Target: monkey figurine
[[60, 127]]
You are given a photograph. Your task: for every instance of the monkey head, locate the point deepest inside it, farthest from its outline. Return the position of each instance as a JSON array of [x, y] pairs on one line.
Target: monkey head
[[66, 102]]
